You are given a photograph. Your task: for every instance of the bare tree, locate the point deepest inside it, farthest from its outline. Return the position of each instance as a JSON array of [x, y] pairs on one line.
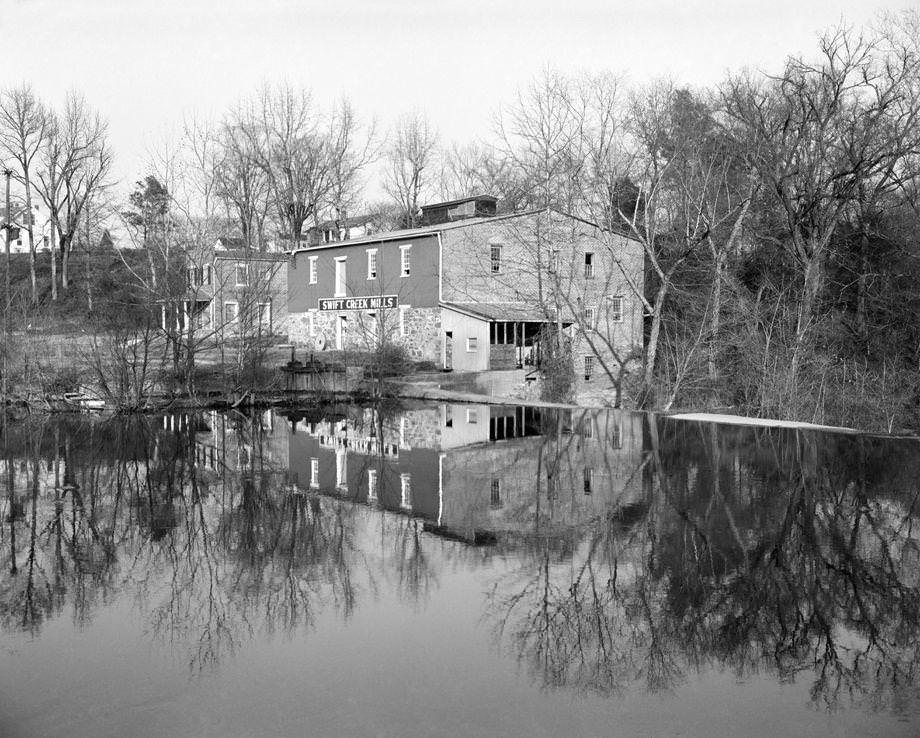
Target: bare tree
[[294, 152], [242, 180], [74, 165], [540, 136], [23, 128], [815, 133], [410, 158], [351, 148]]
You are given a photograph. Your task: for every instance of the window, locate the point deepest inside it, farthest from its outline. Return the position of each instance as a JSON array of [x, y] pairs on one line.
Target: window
[[208, 274], [373, 326], [403, 328], [588, 317], [589, 366], [589, 478], [193, 277], [371, 485], [231, 312], [405, 260], [472, 344], [341, 469], [554, 260], [372, 263], [313, 269], [340, 263], [495, 495], [314, 473], [496, 257], [265, 317], [405, 491], [589, 265], [448, 416], [615, 308], [242, 275], [472, 415]]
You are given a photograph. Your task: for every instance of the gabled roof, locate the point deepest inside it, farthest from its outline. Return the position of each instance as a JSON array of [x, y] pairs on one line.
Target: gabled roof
[[501, 311], [232, 242]]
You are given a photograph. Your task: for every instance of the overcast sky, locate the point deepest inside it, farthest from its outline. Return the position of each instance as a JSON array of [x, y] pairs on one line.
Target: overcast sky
[[145, 64]]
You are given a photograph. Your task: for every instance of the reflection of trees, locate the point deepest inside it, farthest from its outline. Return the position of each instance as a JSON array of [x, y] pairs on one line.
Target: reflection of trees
[[759, 551], [754, 550]]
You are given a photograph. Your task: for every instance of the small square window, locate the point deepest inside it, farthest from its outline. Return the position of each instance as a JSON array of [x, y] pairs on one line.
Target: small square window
[[472, 415], [472, 344]]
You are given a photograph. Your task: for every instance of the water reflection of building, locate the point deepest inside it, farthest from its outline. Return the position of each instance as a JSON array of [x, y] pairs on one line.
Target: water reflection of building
[[473, 471]]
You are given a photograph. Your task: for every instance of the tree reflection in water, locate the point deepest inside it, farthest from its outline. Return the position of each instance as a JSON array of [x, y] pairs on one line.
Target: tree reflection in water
[[786, 553]]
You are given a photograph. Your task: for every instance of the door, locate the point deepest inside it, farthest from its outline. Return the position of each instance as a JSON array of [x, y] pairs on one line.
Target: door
[[448, 351], [341, 331]]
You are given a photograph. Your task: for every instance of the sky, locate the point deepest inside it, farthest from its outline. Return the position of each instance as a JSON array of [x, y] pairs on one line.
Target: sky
[[146, 65]]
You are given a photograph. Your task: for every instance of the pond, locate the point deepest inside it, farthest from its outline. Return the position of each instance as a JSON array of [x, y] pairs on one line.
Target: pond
[[453, 569]]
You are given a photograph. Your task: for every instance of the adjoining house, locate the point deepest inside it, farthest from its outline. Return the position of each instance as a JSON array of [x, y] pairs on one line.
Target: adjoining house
[[341, 229], [229, 291], [478, 292], [21, 218]]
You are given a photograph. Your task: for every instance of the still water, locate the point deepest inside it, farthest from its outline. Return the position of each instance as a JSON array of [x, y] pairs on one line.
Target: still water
[[453, 570]]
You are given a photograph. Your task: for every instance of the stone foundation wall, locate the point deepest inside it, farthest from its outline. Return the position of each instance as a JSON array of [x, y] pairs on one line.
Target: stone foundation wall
[[422, 337]]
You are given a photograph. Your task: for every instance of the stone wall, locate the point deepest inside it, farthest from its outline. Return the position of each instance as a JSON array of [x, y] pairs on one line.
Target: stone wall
[[422, 328], [525, 275]]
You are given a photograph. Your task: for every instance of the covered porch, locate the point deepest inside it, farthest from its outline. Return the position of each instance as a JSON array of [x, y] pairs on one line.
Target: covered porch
[[512, 334]]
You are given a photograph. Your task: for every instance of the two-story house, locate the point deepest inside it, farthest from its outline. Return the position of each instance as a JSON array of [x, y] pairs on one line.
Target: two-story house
[[231, 291], [475, 293]]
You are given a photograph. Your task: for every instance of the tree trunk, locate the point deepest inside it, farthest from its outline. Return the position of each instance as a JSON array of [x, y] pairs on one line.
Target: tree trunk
[[715, 321], [30, 229], [862, 286], [651, 353], [53, 252], [65, 258], [811, 286]]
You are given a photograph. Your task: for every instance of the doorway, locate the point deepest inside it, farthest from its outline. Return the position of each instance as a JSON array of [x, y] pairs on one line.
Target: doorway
[[448, 351]]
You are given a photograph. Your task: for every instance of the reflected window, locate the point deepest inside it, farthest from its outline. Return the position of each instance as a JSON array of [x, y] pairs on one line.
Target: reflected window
[[495, 496], [448, 416], [371, 485], [405, 491], [341, 469], [314, 473]]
